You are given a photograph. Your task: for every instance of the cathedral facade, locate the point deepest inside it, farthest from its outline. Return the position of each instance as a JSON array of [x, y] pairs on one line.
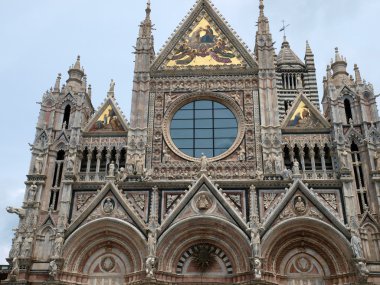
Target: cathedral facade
[[228, 171]]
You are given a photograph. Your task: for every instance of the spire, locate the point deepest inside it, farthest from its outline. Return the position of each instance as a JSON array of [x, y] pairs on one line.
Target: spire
[[261, 7], [358, 77], [263, 23], [308, 49], [146, 25], [57, 84]]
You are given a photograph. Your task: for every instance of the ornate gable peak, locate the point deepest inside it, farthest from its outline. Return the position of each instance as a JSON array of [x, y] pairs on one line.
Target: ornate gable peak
[[298, 185], [202, 40], [108, 118], [190, 194], [368, 218], [110, 187], [304, 117]]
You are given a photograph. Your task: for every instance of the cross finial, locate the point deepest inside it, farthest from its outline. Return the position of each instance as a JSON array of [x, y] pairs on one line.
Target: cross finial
[[261, 7], [283, 29]]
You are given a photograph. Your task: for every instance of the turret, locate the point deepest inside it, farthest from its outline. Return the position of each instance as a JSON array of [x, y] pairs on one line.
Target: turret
[[76, 74]]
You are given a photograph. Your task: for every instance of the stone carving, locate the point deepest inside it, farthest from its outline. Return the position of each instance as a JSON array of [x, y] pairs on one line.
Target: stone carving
[[111, 169], [268, 199], [53, 270], [147, 175], [241, 154], [17, 211], [108, 263], [32, 193], [362, 268], [269, 165], [166, 156], [38, 164], [257, 268], [377, 157], [287, 174], [108, 205], [150, 266], [356, 245], [139, 165], [259, 174], [300, 205], [236, 199], [203, 202], [26, 248], [331, 200], [84, 199], [139, 200], [58, 245], [171, 199]]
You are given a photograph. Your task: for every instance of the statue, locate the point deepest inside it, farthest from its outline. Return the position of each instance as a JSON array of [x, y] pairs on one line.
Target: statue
[[241, 154], [204, 163], [299, 82], [269, 165], [32, 192], [166, 156], [203, 202], [377, 157], [356, 245], [287, 174], [147, 176], [15, 268], [70, 163], [278, 164], [259, 174], [17, 211], [139, 165], [296, 167], [111, 169], [16, 247], [255, 242], [53, 270], [38, 164], [121, 175], [343, 160], [26, 249], [362, 268], [150, 265], [58, 245], [300, 205], [152, 243]]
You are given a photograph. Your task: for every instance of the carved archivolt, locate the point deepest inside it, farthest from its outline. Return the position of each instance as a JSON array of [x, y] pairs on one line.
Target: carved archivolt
[[221, 98]]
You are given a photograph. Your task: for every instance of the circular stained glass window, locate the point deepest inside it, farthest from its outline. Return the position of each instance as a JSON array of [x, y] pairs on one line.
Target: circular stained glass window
[[204, 127]]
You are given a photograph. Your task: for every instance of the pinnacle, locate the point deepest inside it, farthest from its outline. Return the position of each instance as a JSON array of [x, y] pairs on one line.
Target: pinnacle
[[77, 63]]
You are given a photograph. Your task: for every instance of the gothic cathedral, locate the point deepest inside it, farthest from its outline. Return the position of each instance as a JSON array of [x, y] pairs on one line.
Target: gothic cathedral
[[228, 171]]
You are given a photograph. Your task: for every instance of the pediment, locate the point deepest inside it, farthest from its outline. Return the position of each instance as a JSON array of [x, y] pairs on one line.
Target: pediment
[[107, 119], [109, 202], [204, 41], [300, 201], [304, 116], [204, 199]]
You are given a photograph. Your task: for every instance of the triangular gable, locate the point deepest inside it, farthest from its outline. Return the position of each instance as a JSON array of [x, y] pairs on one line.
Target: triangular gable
[[115, 207], [369, 219], [204, 40], [286, 208], [62, 137], [107, 119], [204, 195], [304, 116]]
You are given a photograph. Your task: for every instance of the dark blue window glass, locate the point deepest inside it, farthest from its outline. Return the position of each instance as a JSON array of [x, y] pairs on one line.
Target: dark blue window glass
[[203, 127]]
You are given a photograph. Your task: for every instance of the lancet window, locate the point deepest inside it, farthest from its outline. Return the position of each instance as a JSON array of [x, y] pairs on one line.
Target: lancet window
[[359, 178], [57, 179], [66, 117]]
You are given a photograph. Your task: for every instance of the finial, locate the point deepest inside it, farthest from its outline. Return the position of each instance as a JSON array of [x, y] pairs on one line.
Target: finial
[[283, 29], [77, 63], [261, 7], [337, 55], [111, 91], [57, 83], [148, 9], [358, 77]]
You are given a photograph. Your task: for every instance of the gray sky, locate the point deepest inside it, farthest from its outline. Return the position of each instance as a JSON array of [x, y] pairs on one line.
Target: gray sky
[[42, 38]]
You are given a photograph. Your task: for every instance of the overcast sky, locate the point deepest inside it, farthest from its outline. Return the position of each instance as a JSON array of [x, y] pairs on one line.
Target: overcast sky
[[42, 38]]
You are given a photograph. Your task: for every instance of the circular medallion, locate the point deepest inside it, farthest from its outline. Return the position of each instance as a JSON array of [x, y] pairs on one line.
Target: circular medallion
[[299, 205], [107, 263], [303, 264], [108, 205]]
